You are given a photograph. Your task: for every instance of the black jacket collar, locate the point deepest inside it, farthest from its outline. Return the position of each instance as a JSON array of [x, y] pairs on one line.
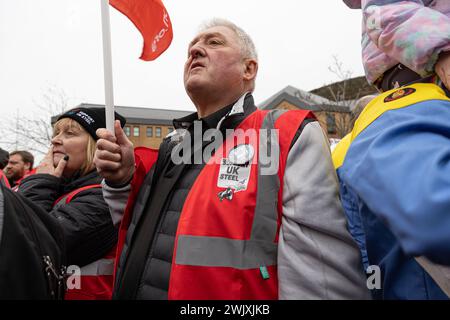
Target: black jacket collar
[[231, 115], [78, 181]]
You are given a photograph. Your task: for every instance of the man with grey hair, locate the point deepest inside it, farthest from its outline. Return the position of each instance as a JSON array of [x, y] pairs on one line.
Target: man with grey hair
[[257, 218]]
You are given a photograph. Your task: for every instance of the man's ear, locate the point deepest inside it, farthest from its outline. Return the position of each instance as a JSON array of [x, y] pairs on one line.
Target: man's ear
[[251, 69], [27, 166]]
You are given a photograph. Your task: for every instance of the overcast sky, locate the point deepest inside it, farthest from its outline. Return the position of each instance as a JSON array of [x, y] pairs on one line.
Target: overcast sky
[[57, 43]]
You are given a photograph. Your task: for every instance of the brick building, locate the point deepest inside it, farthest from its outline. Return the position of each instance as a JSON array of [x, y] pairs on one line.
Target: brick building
[[148, 126], [145, 126], [333, 117]]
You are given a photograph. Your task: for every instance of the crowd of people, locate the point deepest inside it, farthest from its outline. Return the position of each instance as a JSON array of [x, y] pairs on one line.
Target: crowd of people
[[268, 216]]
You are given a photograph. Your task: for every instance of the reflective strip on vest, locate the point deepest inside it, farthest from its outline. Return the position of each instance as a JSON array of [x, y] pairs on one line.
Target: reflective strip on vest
[[266, 211], [239, 254], [260, 249], [101, 267]]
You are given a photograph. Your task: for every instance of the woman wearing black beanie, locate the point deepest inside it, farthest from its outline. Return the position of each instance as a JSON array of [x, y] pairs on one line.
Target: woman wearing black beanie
[[67, 186]]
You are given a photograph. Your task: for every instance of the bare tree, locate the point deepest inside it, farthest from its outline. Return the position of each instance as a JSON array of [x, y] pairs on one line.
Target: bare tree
[[336, 100], [34, 133], [340, 90], [343, 95]]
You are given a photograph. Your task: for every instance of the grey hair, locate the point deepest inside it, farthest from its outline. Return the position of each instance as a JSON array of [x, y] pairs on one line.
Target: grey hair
[[247, 45], [361, 103]]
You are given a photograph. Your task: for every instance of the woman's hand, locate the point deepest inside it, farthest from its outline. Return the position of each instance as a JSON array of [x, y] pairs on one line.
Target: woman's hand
[[442, 68], [46, 166]]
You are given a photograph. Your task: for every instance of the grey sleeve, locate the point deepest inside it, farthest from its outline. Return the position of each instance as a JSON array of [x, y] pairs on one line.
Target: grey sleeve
[[317, 258], [116, 198]]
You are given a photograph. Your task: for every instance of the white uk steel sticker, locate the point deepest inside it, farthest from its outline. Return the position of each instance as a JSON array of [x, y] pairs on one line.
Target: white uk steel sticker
[[235, 171], [233, 176]]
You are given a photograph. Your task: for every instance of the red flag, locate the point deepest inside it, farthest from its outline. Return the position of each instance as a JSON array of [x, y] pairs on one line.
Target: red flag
[[152, 21]]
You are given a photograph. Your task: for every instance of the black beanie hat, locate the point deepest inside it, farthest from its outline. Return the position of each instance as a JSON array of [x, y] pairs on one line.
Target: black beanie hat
[[91, 119]]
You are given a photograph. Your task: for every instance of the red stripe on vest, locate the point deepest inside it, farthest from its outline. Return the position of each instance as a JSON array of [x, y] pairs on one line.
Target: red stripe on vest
[[92, 288], [69, 196], [145, 158], [3, 179]]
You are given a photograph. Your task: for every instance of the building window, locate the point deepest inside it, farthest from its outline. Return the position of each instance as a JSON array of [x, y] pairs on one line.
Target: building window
[[158, 132], [331, 123], [127, 131], [149, 131], [135, 131], [170, 129]]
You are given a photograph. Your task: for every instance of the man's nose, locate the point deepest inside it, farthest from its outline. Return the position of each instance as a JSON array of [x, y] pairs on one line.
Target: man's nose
[[197, 51]]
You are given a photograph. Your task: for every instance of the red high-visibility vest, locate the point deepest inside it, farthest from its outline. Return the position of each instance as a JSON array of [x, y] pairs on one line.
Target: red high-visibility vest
[[226, 245], [18, 182], [96, 279], [227, 237]]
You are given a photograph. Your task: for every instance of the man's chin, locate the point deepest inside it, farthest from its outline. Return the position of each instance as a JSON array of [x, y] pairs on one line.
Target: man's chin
[[194, 85]]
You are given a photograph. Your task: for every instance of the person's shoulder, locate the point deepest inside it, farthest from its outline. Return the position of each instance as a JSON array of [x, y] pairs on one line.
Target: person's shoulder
[[41, 178], [86, 185], [91, 178], [310, 131], [311, 126], [88, 194]]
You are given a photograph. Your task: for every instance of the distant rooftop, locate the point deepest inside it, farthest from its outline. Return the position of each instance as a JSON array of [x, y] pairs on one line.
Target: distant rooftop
[[355, 88], [145, 116], [303, 100]]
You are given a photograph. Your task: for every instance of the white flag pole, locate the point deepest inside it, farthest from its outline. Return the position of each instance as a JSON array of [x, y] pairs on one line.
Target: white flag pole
[[107, 66]]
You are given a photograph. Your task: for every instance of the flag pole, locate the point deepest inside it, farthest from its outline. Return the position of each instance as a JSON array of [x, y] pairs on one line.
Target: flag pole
[[107, 66]]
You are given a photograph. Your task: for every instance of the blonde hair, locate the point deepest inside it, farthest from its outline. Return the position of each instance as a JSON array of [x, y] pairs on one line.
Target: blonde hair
[[88, 163]]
